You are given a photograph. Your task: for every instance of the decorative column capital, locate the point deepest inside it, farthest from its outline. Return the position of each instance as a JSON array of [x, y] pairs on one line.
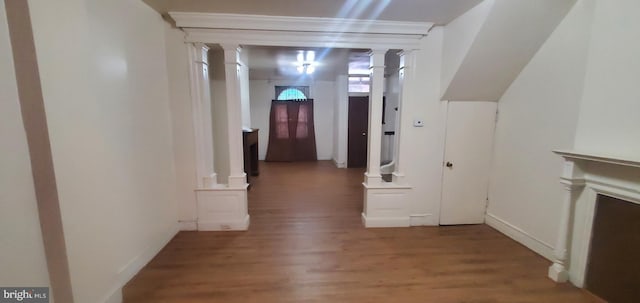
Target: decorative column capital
[[376, 58], [201, 51], [406, 58], [231, 53]]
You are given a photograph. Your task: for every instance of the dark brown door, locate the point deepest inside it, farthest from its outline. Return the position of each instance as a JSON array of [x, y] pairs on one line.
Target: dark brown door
[[358, 131]]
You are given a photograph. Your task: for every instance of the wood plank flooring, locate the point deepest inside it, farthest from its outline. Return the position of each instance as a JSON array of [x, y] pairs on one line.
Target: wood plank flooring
[[306, 243]]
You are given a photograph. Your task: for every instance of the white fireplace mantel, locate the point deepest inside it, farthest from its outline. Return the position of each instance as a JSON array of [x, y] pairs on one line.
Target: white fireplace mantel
[[595, 157], [585, 176]]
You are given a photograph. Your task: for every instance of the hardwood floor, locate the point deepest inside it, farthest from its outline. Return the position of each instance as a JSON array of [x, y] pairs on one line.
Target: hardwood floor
[[306, 244]]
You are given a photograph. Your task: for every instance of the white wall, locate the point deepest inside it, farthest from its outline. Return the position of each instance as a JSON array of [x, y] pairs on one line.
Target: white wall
[[181, 123], [538, 113], [459, 35], [104, 78], [609, 120], [423, 152], [22, 258], [323, 93], [511, 34]]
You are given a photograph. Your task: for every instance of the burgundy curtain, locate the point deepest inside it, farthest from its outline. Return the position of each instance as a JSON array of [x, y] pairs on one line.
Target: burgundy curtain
[[291, 131]]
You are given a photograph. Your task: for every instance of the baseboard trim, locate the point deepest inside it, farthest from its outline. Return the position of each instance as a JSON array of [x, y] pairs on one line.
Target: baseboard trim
[[520, 236], [339, 164], [224, 225], [421, 220], [127, 272], [378, 222], [188, 225]]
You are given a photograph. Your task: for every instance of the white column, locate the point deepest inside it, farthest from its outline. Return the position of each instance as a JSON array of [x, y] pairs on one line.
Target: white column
[[376, 72], [401, 146], [571, 179], [201, 108], [232, 62]]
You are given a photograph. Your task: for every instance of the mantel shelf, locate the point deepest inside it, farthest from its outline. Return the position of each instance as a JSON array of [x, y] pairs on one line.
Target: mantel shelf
[[602, 158]]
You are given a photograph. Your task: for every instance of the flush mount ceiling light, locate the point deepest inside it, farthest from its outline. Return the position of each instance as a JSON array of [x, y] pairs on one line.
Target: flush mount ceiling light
[[306, 63]]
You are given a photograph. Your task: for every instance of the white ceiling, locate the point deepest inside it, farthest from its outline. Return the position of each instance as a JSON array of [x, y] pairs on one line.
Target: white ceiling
[[279, 63], [436, 11], [276, 63]]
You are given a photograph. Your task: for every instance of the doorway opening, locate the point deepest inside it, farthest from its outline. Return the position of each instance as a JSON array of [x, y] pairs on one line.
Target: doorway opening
[[287, 189]]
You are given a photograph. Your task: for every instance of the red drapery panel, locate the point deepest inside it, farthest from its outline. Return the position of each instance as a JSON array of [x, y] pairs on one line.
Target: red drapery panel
[[291, 131]]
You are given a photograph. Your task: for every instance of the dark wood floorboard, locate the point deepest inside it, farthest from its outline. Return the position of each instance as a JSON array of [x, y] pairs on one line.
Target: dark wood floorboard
[[306, 243]]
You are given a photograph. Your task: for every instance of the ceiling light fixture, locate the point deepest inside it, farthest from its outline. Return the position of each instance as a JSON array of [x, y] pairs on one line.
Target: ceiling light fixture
[[306, 62]]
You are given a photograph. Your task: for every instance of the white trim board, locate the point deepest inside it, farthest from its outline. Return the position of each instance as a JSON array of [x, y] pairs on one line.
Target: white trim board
[[298, 38], [378, 222], [520, 236], [303, 24]]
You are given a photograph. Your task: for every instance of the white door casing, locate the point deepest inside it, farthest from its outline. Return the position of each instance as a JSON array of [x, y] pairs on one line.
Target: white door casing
[[469, 141]]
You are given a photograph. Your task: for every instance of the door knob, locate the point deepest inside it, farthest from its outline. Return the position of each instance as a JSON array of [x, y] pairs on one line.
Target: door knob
[[364, 134], [449, 164]]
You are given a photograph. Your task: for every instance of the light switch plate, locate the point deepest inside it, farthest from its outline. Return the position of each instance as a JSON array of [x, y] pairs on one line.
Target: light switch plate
[[418, 122]]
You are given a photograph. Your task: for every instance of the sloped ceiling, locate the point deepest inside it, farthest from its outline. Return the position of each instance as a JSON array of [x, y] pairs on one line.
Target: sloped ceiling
[[436, 11], [511, 34]]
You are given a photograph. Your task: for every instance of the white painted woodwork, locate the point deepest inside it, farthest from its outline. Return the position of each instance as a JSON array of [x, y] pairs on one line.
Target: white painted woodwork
[[232, 63], [201, 106], [585, 175], [402, 144], [222, 209], [376, 73], [376, 191], [468, 147], [386, 205], [305, 24], [308, 39]]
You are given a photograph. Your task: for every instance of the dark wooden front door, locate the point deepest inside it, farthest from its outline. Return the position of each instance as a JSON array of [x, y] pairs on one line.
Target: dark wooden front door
[[358, 129]]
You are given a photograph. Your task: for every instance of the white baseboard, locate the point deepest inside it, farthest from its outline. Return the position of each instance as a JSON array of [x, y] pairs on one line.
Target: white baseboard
[[127, 272], [374, 222], [224, 225], [188, 225], [421, 220], [521, 236], [114, 297], [339, 164]]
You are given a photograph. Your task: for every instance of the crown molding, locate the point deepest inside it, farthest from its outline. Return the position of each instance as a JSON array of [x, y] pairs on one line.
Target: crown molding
[[299, 24], [296, 38]]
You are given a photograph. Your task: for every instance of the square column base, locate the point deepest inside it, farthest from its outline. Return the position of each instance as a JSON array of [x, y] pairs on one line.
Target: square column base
[[558, 273], [222, 209], [372, 179], [238, 181]]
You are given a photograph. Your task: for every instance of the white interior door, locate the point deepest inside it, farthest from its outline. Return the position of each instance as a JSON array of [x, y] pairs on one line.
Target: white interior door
[[468, 148]]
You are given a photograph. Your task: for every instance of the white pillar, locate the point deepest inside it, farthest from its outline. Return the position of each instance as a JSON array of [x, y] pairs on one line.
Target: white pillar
[[201, 103], [376, 72], [232, 62], [571, 179], [401, 146]]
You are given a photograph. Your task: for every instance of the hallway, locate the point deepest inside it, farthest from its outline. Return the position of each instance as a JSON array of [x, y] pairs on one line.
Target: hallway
[[306, 243]]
